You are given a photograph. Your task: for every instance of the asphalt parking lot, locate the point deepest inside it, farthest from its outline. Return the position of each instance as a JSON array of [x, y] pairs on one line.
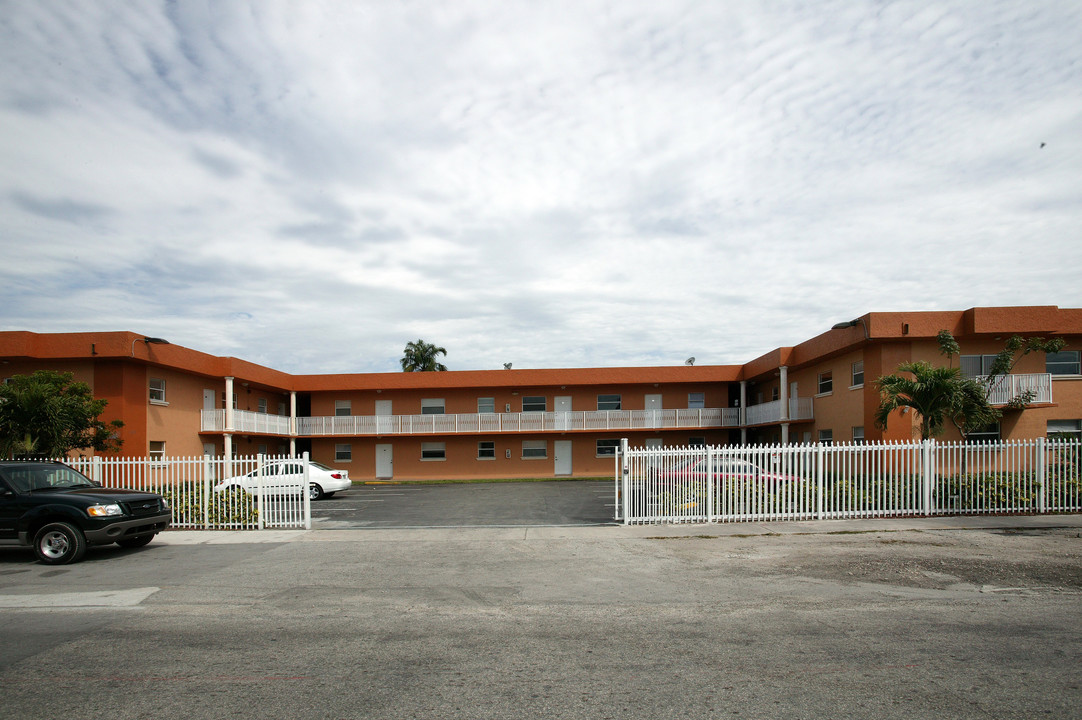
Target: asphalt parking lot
[[944, 617], [555, 504]]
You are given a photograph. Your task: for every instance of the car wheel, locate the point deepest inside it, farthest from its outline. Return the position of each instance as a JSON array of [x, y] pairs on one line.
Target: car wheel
[[59, 543], [315, 492], [135, 542]]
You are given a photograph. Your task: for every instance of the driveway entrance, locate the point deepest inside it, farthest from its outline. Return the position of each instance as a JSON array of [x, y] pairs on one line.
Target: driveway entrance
[[557, 504]]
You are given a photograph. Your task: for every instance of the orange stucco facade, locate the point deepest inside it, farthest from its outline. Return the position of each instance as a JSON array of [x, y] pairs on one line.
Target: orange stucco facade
[[541, 423]]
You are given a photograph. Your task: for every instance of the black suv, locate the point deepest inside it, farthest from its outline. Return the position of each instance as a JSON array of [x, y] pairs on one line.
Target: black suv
[[60, 511]]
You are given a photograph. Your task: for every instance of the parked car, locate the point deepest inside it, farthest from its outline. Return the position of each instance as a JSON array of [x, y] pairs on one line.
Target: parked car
[[60, 512], [727, 469], [288, 475]]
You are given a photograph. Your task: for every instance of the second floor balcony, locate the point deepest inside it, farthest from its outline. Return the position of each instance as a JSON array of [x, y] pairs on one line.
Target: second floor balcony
[[247, 422], [472, 423], [1034, 388]]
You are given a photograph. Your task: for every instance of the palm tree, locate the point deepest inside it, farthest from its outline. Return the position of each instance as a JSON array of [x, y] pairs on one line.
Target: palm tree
[[938, 395], [421, 357]]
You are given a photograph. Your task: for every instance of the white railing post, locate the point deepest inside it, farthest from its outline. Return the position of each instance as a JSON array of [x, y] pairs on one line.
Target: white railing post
[[625, 473], [306, 495], [204, 499], [928, 456], [259, 482], [1041, 475], [820, 463], [95, 470]]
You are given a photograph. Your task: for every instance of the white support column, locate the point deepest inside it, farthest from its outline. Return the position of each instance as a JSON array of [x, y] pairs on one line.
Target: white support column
[[227, 471], [293, 423], [229, 417], [784, 393], [743, 412]]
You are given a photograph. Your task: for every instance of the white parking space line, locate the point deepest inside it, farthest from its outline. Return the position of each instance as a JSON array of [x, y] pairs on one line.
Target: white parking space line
[[105, 598]]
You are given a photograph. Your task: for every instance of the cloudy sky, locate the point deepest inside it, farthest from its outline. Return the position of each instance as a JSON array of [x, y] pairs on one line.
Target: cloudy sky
[[310, 185]]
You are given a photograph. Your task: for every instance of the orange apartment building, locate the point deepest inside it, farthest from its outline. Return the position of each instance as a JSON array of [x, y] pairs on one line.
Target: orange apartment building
[[520, 423]]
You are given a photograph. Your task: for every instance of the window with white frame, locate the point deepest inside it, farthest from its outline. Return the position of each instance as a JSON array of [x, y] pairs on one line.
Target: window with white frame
[[534, 403], [343, 408], [283, 409], [156, 450], [775, 393], [696, 401], [432, 406], [826, 437], [1065, 428], [433, 451], [1065, 362], [261, 448], [534, 449], [976, 365], [608, 402], [486, 405], [261, 405], [826, 382], [607, 447], [343, 452], [857, 374], [986, 434], [858, 435], [157, 390], [486, 450]]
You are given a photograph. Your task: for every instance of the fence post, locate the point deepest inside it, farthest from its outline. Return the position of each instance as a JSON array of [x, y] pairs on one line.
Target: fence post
[[95, 469], [204, 500], [819, 480], [710, 483], [306, 495], [1042, 476], [928, 455], [625, 473], [259, 481]]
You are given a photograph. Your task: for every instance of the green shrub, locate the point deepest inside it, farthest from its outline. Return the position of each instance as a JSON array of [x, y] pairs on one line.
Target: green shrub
[[233, 508]]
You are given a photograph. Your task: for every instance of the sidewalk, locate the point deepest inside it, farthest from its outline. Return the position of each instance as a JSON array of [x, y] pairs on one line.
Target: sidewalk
[[623, 532]]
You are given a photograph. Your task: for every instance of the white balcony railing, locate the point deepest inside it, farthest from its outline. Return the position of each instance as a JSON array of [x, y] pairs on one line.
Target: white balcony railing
[[770, 412], [244, 421], [1008, 387], [599, 420], [359, 425], [355, 425]]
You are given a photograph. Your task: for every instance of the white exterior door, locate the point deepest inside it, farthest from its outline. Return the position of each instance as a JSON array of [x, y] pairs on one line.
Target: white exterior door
[[209, 398], [562, 407], [383, 413], [653, 404], [384, 461], [563, 457]]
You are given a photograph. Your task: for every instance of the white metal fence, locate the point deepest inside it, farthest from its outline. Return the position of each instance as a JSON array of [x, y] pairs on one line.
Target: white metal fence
[[194, 489], [818, 482]]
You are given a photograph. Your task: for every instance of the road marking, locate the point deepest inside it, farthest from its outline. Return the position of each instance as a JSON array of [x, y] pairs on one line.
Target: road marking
[[105, 598]]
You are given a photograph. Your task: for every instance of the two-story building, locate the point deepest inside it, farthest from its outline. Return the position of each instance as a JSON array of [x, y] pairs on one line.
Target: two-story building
[[519, 423]]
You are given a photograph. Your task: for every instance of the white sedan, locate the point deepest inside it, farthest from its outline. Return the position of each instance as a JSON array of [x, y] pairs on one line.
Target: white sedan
[[289, 475]]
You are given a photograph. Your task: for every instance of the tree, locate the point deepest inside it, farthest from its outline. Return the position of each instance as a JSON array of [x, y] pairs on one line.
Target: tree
[[938, 395], [421, 357], [48, 414], [941, 394]]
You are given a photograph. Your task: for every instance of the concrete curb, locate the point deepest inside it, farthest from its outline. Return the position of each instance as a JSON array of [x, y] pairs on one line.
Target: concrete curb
[[619, 532]]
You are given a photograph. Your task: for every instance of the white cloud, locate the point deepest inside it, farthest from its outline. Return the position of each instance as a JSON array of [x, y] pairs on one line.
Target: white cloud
[[312, 185]]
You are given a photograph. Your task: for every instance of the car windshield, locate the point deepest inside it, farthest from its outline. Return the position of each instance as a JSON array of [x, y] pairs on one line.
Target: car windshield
[[46, 477]]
